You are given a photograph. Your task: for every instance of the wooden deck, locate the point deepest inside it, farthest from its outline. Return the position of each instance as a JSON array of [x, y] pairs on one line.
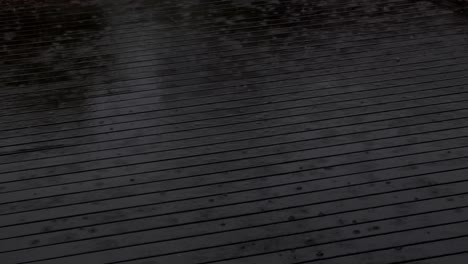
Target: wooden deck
[[233, 132]]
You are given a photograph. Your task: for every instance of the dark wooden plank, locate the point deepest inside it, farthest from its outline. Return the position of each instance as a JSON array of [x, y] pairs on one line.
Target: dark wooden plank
[[233, 132]]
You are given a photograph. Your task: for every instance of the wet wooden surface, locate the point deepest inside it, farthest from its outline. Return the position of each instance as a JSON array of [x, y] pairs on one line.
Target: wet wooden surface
[[222, 131]]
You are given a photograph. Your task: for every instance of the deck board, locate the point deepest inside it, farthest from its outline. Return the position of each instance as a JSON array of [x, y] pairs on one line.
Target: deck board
[[221, 131]]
